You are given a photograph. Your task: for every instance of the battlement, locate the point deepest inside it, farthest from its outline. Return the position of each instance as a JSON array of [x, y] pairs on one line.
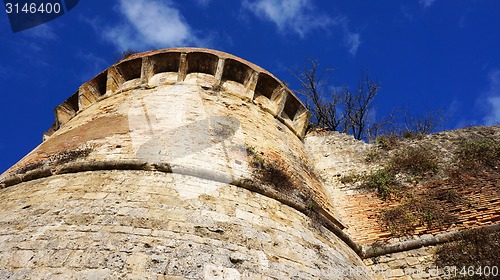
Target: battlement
[[171, 66]]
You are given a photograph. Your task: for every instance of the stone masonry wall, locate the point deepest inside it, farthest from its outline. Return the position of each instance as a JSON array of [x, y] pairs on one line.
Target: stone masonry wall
[[335, 155], [412, 264], [174, 164], [154, 225], [191, 111]]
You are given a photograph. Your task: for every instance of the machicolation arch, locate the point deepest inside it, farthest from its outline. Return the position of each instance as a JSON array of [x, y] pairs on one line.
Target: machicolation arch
[[174, 65]]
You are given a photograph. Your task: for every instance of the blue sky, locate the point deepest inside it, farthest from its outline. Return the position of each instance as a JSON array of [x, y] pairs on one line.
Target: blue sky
[[427, 54]]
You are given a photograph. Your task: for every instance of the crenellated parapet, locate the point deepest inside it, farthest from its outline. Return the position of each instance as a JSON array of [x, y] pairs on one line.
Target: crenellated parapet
[[171, 66]]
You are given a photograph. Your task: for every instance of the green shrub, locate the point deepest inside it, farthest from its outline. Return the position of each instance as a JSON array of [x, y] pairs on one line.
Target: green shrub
[[447, 195], [271, 172], [481, 153], [415, 161], [351, 178], [414, 212], [407, 134], [376, 154], [399, 220], [388, 141], [382, 180]]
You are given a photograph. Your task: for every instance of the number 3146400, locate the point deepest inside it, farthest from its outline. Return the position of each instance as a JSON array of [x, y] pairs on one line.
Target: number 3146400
[[33, 8]]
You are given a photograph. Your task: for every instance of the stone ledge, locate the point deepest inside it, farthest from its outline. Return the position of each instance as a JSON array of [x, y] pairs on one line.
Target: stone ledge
[[320, 215], [422, 241]]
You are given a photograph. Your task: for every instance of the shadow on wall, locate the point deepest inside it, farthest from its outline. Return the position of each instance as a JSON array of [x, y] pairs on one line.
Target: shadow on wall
[[182, 145], [210, 131]]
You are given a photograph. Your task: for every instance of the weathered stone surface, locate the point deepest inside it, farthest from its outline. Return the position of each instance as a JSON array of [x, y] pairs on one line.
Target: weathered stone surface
[[185, 128], [403, 265], [91, 238], [174, 164], [334, 155]]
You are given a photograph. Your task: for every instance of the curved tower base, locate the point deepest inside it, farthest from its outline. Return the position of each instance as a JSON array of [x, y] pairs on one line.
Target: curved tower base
[[181, 163], [136, 224]]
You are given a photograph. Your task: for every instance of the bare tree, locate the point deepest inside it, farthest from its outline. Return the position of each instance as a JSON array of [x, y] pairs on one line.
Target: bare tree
[[124, 54], [400, 122], [385, 125], [422, 124], [359, 105], [351, 111], [338, 109], [321, 99]]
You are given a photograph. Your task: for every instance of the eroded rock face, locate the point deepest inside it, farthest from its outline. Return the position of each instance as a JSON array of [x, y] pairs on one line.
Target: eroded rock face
[[181, 162]]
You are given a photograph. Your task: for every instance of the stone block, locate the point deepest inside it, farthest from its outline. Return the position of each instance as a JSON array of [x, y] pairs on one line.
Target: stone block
[[397, 272], [21, 259], [412, 261], [100, 195]]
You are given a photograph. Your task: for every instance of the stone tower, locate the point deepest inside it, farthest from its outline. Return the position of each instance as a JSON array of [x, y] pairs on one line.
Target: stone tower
[[173, 164]]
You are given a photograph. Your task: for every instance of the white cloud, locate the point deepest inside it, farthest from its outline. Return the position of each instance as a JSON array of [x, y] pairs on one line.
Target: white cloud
[[352, 41], [298, 16], [149, 24], [493, 118], [426, 3], [43, 32], [492, 100]]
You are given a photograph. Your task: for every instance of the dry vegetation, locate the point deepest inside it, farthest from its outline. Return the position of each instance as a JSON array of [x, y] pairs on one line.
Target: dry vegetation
[[413, 171], [477, 249], [436, 183]]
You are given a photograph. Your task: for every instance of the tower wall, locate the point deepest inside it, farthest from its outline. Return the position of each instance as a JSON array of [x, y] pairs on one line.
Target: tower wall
[[149, 225], [180, 162]]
